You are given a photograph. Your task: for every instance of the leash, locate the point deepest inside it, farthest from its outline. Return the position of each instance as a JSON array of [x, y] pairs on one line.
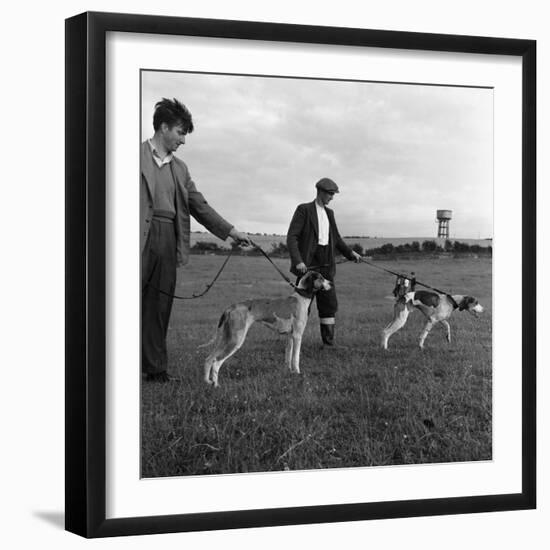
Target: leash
[[194, 295], [284, 276], [211, 284], [363, 261], [272, 263]]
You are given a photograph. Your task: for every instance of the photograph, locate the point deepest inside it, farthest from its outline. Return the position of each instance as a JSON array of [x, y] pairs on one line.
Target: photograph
[[316, 273]]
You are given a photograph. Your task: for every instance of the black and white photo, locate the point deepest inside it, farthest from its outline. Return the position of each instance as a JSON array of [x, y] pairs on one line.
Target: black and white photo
[[314, 241], [405, 173]]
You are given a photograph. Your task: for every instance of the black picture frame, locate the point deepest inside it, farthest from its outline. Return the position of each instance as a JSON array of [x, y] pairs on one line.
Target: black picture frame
[[86, 268]]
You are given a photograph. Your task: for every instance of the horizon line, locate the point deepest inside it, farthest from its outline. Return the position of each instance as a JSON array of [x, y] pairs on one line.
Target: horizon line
[[366, 236]]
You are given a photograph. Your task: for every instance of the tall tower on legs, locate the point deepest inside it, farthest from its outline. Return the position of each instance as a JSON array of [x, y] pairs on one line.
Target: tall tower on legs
[[443, 220]]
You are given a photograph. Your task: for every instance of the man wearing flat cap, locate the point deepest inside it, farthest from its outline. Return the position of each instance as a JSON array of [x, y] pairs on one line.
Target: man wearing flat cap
[[312, 241]]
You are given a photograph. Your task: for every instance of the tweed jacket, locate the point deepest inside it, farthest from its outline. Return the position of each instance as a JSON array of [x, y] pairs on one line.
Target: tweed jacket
[[303, 236], [189, 202]]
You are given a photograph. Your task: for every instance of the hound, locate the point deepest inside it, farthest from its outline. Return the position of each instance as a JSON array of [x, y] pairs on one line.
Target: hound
[[284, 315], [437, 308]]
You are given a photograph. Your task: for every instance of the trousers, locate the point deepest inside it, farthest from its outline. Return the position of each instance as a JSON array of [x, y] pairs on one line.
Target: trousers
[[327, 303], [158, 272]]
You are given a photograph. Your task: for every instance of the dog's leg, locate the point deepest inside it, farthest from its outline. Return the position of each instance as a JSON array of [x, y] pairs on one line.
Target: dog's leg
[[208, 363], [216, 367], [219, 358], [232, 337], [448, 327], [400, 314], [425, 333], [213, 363], [297, 344], [288, 352]]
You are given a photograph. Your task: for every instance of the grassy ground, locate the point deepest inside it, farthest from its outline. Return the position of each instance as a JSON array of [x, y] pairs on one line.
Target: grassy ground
[[360, 406]]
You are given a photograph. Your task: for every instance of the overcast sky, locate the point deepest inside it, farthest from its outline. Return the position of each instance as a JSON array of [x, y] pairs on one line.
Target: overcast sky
[[398, 152]]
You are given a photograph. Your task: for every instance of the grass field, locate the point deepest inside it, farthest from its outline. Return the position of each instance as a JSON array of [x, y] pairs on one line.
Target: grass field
[[360, 406]]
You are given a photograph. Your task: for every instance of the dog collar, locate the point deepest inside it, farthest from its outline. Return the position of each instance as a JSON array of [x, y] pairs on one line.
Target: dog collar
[[304, 293]]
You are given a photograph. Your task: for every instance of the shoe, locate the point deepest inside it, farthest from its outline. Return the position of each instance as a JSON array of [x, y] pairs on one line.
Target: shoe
[[327, 335], [333, 347], [159, 377]]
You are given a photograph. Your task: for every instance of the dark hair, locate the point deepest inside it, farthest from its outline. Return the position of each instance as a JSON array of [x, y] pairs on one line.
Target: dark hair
[[172, 112]]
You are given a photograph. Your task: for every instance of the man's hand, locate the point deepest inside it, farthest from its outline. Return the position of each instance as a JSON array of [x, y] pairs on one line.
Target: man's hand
[[301, 268], [241, 238], [356, 257]]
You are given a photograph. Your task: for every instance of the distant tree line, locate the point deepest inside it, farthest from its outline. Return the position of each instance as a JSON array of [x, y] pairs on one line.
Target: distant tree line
[[426, 247], [280, 249], [211, 247]]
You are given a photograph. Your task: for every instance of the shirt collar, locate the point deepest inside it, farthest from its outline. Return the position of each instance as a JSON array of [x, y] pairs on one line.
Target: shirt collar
[[156, 157]]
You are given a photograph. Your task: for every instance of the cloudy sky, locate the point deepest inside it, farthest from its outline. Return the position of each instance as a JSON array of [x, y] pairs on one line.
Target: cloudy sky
[[398, 152]]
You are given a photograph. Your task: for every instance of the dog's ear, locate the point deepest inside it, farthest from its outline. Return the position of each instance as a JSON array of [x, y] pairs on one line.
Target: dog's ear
[[466, 302], [306, 282], [317, 280]]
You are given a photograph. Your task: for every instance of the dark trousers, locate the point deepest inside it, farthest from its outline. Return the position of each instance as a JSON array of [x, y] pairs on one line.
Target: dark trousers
[[158, 271], [327, 304]]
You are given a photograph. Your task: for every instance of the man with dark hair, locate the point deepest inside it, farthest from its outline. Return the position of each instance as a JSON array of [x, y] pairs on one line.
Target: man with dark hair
[[312, 240], [172, 112], [168, 199]]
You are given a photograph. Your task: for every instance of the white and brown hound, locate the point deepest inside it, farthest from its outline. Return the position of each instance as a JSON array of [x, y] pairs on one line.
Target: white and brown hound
[[437, 308], [284, 315]]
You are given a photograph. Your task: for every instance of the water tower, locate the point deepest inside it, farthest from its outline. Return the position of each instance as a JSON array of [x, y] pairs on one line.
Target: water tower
[[443, 219]]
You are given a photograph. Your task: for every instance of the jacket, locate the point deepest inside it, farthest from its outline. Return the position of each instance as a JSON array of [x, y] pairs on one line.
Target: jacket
[[303, 236], [189, 202]]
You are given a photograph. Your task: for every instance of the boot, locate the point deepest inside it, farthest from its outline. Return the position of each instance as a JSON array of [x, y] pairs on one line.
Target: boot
[[327, 334]]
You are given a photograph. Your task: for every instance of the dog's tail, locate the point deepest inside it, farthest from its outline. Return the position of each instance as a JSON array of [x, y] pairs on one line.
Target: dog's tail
[[221, 322]]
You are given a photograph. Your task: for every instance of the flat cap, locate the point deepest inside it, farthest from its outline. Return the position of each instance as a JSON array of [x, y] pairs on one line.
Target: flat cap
[[326, 184]]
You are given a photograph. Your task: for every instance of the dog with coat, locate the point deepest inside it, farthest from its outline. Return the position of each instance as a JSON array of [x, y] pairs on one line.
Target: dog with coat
[[284, 315]]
